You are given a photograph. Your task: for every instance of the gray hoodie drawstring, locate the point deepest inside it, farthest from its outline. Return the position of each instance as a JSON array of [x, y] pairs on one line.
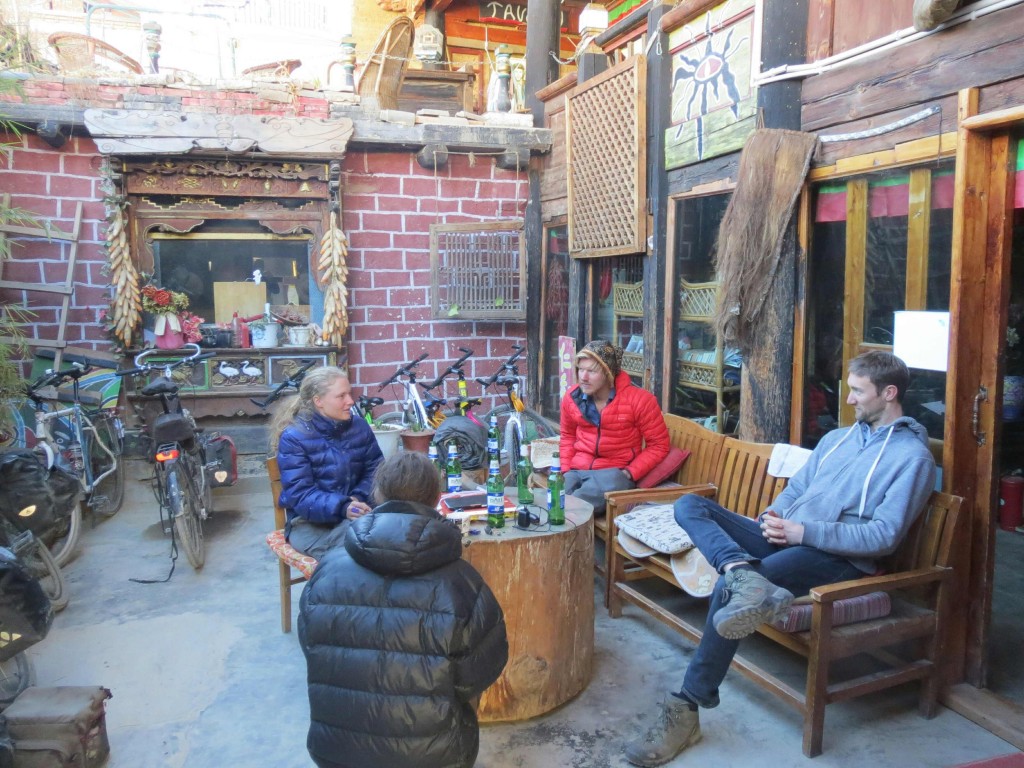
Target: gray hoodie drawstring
[[864, 490]]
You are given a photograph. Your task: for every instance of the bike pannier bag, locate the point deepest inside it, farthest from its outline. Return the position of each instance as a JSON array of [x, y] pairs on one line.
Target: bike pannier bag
[[25, 611], [222, 458], [23, 482], [59, 727], [172, 428]]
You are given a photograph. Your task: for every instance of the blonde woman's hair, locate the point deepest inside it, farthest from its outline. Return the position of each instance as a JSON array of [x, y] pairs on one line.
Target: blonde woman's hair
[[315, 384]]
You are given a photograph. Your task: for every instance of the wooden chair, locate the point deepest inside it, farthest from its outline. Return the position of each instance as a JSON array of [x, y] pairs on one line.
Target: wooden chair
[[382, 76], [81, 53], [705, 448], [288, 557]]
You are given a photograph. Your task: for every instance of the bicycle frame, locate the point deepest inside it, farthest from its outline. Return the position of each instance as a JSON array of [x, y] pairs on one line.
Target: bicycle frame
[[413, 408]]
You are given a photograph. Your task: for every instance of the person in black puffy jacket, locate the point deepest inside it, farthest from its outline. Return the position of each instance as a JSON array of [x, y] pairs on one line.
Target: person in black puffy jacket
[[327, 460], [401, 635]]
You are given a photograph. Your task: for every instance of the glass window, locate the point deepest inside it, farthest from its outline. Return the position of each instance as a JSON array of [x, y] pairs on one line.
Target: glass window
[[880, 243], [705, 376], [555, 314]]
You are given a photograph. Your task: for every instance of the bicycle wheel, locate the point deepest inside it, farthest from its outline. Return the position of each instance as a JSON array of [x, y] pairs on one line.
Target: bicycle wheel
[[42, 565], [184, 511], [16, 674], [394, 417], [535, 426], [63, 548], [106, 497], [468, 437]]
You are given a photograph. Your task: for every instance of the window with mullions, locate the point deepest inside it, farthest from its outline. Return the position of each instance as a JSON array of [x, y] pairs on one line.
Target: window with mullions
[[880, 243]]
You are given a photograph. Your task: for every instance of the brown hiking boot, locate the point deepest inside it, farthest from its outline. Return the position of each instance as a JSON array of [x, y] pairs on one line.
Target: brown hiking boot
[[752, 601], [675, 728]]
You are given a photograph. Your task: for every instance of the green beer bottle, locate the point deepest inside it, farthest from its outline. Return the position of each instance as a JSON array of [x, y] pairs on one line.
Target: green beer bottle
[[556, 494], [495, 496], [435, 458], [493, 451], [523, 471], [453, 470]]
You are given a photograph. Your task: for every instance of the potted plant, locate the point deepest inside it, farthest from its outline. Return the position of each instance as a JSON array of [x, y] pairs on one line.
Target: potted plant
[[166, 306], [265, 334], [417, 436]]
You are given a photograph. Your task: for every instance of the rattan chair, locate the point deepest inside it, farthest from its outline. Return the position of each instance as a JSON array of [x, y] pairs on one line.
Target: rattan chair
[[77, 53], [384, 72]]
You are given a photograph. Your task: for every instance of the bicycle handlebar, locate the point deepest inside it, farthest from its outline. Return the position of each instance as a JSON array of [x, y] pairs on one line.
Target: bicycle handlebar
[[51, 377], [292, 381], [143, 367], [508, 365], [405, 370], [454, 368]]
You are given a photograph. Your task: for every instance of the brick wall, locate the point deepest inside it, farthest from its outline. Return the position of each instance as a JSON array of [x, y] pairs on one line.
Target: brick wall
[[389, 204]]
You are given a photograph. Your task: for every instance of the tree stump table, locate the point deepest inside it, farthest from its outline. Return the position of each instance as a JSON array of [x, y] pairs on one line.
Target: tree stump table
[[544, 581]]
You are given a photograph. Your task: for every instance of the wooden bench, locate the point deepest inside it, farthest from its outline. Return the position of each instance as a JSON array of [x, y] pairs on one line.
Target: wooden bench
[[918, 579], [699, 469]]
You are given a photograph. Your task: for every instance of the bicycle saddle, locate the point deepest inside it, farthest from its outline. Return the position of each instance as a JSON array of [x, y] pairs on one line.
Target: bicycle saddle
[[160, 386]]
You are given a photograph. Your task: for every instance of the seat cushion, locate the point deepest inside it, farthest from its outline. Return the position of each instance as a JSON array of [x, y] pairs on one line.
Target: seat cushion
[[655, 525], [873, 605], [665, 469], [290, 555]]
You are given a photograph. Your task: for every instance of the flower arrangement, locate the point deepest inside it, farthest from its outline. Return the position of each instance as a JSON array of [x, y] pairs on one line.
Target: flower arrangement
[[190, 327], [166, 305]]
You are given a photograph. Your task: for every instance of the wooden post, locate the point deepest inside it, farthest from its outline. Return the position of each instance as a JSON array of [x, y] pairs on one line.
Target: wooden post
[[542, 35], [768, 370]]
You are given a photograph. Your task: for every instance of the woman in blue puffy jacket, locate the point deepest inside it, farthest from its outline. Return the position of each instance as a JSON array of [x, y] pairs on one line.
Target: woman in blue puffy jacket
[[327, 460], [401, 635]]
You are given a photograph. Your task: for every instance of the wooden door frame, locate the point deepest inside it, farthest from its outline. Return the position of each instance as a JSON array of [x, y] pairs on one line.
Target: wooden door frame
[[982, 230]]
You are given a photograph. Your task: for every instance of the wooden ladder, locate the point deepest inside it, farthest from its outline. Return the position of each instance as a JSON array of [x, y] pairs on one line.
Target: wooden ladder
[[64, 289]]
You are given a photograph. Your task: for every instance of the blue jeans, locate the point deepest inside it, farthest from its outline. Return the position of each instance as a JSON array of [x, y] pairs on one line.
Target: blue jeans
[[724, 537]]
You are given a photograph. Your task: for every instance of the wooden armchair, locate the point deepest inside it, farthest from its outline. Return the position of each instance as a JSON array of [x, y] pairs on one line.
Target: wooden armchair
[[288, 557], [81, 53]]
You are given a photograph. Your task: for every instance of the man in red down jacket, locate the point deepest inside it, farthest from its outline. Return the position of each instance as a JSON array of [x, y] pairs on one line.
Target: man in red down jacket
[[613, 432]]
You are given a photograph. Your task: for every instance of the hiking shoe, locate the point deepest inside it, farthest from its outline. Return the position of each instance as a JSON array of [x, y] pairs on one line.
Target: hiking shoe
[[676, 727], [751, 600]]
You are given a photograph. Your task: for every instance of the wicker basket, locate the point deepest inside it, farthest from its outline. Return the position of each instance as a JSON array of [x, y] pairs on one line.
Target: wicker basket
[[697, 300], [698, 375], [628, 299], [633, 364]]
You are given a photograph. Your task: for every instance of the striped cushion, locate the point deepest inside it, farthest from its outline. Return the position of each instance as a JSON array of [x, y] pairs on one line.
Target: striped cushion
[[289, 554], [870, 606]]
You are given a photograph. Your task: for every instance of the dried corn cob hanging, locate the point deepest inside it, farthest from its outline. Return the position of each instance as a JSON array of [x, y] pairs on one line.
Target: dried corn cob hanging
[[126, 303], [333, 277]]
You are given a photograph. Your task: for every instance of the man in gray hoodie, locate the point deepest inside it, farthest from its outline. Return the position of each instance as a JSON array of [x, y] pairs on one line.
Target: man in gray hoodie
[[851, 503]]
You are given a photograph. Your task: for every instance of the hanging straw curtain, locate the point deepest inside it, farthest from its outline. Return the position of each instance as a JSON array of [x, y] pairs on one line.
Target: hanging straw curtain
[[772, 170]]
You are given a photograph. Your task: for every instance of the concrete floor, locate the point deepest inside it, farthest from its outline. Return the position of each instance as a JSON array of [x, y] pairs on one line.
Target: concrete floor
[[202, 676]]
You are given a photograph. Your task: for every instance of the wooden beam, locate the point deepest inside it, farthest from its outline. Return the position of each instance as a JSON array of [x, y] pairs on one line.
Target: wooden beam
[[856, 264], [919, 219], [991, 44], [798, 407], [930, 148], [685, 11], [1000, 118]]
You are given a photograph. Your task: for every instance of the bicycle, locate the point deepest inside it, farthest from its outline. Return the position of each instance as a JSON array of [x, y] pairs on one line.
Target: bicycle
[[468, 436], [292, 382], [184, 477], [88, 444], [516, 423]]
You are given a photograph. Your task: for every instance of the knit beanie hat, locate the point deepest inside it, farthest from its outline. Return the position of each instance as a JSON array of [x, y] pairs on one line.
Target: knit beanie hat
[[605, 354]]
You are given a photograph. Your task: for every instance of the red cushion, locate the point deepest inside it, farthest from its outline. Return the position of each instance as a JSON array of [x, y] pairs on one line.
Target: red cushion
[[665, 470]]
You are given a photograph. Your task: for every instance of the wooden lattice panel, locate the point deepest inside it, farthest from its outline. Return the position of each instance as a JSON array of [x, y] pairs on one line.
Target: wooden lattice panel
[[697, 300], [628, 299], [478, 270], [607, 162]]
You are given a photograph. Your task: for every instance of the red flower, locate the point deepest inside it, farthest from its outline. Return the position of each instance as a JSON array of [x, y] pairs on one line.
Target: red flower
[[161, 297]]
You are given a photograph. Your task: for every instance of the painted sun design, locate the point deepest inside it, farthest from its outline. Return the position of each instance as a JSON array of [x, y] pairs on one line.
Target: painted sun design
[[706, 75]]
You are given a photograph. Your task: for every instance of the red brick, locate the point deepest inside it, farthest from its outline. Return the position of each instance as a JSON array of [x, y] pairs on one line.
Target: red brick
[[460, 188], [482, 169], [82, 165], [485, 209], [384, 259], [389, 279], [383, 315], [488, 190], [24, 183], [388, 203], [381, 185], [418, 187], [92, 211], [370, 240], [383, 354], [91, 296], [72, 186], [437, 207], [40, 207], [382, 222], [399, 163], [37, 162], [359, 202], [415, 241], [22, 270], [373, 332], [363, 297], [416, 222], [408, 297]]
